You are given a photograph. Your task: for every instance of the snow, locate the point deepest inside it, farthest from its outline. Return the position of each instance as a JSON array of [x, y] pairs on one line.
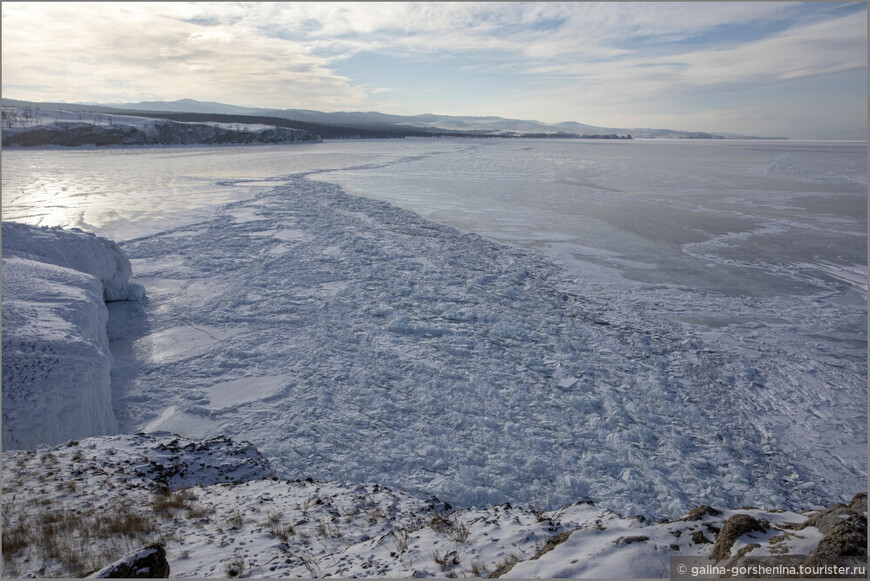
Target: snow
[[56, 356], [87, 253], [229, 508], [356, 343]]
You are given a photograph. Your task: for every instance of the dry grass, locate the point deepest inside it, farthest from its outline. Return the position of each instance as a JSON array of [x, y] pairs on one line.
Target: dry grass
[[235, 519], [459, 532], [68, 536], [445, 561], [439, 523], [328, 530], [375, 515], [281, 531], [477, 568], [505, 565], [77, 541], [167, 502]]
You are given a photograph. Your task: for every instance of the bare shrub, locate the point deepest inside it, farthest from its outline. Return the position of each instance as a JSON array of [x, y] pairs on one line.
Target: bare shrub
[[439, 523], [477, 568], [458, 532], [446, 561], [235, 520], [235, 567], [375, 515]]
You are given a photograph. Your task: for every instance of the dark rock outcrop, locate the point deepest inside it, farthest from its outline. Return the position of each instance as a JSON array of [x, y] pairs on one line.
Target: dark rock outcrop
[[735, 527], [149, 563], [859, 503], [846, 539], [552, 543], [699, 513]]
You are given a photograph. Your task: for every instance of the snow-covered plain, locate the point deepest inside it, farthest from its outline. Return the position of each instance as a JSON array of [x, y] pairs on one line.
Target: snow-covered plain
[[349, 339]]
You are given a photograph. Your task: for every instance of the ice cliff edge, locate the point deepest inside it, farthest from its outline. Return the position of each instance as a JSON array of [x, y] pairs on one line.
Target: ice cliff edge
[[56, 358]]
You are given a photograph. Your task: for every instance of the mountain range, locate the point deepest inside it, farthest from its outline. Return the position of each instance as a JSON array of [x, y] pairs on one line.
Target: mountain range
[[383, 124]]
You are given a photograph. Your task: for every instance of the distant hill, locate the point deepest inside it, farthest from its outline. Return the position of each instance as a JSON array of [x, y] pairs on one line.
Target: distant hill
[[29, 126], [369, 124]]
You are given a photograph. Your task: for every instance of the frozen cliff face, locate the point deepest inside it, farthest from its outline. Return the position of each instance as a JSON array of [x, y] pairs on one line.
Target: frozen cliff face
[[82, 251], [56, 358]]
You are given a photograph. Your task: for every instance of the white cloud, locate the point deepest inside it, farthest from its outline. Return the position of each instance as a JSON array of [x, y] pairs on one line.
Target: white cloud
[[601, 57]]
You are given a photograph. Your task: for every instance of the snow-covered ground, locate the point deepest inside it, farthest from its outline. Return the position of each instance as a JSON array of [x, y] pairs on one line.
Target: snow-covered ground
[[221, 511], [350, 340]]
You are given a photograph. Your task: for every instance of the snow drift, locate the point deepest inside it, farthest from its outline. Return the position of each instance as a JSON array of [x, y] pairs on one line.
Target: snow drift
[[56, 358], [82, 251]]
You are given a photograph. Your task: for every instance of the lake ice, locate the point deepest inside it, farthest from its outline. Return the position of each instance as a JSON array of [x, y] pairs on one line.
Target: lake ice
[[651, 325]]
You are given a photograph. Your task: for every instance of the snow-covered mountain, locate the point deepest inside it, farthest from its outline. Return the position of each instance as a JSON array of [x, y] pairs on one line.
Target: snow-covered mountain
[[372, 119]]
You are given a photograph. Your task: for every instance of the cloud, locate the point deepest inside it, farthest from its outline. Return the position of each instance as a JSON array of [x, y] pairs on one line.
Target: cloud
[[118, 51], [570, 59]]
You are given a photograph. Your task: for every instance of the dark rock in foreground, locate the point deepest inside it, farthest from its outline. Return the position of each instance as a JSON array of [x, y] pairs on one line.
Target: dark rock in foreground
[[149, 563]]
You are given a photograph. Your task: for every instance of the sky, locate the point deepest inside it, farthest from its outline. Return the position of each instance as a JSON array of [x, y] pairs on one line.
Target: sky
[[796, 70]]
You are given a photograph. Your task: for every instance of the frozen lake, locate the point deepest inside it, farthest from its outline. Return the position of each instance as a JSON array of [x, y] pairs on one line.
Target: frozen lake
[[705, 341]]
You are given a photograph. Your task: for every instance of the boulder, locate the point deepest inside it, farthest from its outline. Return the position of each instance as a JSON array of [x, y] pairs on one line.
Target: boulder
[[149, 563]]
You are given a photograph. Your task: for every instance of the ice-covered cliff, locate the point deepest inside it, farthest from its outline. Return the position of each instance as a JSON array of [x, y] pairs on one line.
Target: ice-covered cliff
[[56, 358]]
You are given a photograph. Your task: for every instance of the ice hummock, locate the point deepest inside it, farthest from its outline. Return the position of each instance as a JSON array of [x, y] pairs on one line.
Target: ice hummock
[[56, 357], [350, 339]]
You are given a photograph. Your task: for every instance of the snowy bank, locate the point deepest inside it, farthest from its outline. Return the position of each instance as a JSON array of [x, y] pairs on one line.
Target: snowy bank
[[220, 511], [56, 358]]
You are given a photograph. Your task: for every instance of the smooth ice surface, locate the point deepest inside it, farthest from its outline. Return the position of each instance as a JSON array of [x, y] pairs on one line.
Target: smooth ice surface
[[707, 342]]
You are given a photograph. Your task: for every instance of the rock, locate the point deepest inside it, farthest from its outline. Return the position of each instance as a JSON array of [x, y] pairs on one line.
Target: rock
[[846, 539], [699, 539], [859, 503], [552, 543], [826, 520], [630, 540], [735, 527], [699, 512], [149, 563]]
